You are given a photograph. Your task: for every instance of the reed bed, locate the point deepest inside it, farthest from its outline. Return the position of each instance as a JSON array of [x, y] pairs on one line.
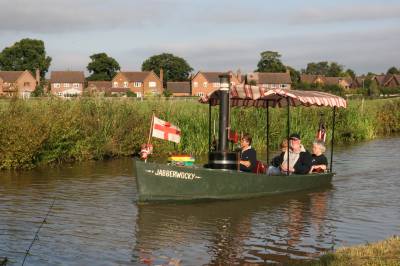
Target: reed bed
[[48, 131]]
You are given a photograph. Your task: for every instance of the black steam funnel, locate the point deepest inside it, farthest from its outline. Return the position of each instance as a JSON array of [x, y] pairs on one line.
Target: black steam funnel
[[222, 158], [223, 113]]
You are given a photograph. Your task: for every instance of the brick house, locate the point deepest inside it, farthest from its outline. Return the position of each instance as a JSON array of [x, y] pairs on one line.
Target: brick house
[[270, 80], [179, 88], [97, 87], [67, 83], [204, 83], [391, 81], [343, 82], [18, 83], [140, 82]]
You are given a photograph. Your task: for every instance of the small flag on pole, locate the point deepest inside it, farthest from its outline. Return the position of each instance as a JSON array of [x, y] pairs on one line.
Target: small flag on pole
[[165, 130]]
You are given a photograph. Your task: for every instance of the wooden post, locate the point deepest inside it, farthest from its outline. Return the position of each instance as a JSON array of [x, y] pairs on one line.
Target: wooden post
[[333, 136], [151, 129], [288, 132]]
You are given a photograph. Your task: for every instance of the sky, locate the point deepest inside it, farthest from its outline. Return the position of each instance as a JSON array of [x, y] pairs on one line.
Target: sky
[[212, 35]]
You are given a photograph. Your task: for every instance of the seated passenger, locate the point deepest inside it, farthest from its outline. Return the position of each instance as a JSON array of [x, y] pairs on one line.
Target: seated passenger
[[319, 162], [299, 159], [248, 156]]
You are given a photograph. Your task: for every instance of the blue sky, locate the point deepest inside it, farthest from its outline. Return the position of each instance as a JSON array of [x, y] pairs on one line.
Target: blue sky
[[210, 35]]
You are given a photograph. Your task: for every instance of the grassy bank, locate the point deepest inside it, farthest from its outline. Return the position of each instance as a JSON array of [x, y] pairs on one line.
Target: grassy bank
[[53, 130], [383, 253]]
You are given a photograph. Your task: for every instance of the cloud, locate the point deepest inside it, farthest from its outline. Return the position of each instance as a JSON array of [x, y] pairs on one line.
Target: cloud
[[346, 13], [58, 16]]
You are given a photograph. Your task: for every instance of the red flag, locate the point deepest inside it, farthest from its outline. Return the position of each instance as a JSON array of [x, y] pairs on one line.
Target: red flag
[[321, 133], [165, 130]]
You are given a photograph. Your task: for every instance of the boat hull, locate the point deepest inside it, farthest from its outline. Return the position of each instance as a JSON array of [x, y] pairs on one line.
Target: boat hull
[[160, 182]]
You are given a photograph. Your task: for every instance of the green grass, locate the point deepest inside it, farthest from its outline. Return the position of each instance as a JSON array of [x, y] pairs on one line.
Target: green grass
[[383, 253], [51, 130]]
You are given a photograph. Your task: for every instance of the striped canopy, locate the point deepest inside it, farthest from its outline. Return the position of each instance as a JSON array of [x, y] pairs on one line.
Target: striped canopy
[[247, 96]]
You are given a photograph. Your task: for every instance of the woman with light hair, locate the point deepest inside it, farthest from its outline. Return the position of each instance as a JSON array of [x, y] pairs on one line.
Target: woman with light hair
[[319, 161]]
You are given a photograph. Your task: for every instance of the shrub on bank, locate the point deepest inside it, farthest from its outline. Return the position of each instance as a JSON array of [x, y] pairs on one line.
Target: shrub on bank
[[51, 130]]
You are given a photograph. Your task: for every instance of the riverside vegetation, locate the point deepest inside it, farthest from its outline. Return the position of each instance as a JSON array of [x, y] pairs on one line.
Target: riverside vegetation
[[48, 131], [383, 253]]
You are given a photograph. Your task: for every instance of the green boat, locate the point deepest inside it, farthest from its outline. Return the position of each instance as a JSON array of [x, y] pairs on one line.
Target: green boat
[[220, 179], [160, 182]]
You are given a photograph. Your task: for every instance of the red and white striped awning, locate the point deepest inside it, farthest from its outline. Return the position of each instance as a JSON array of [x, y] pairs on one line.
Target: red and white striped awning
[[254, 96]]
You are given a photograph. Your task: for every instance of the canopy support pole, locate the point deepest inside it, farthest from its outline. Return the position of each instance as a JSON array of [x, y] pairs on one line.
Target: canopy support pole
[[333, 135], [209, 127], [288, 133], [267, 132]]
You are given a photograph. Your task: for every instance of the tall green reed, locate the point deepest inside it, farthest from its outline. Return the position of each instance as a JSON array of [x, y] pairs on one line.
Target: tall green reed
[[54, 131]]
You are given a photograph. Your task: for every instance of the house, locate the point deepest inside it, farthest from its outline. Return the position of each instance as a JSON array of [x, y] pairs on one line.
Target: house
[[391, 81], [97, 87], [358, 82], [379, 79], [179, 88], [140, 82], [311, 79], [18, 83], [343, 82], [67, 83], [204, 83], [270, 80]]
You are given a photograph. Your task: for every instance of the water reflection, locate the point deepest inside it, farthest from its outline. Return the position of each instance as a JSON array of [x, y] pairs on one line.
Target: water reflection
[[268, 229], [96, 220]]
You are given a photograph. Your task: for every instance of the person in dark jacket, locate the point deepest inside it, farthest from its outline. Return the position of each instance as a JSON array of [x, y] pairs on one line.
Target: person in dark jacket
[[299, 159], [248, 155], [319, 163]]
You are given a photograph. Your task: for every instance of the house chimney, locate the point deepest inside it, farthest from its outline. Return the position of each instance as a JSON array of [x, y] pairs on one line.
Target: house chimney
[[162, 78], [37, 76]]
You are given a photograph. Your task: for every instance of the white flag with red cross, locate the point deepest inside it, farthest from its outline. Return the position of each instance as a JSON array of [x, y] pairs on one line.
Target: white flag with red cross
[[165, 130]]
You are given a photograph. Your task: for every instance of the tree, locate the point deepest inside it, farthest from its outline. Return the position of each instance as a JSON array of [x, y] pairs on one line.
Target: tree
[[27, 54], [294, 75], [393, 70], [320, 68], [335, 70], [174, 68], [325, 68], [270, 62], [350, 73], [102, 67]]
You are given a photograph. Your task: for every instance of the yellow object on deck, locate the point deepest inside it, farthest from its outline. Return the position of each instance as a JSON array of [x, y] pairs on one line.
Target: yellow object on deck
[[181, 158]]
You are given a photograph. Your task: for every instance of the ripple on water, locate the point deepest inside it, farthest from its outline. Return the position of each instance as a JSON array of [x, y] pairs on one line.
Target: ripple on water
[[95, 219]]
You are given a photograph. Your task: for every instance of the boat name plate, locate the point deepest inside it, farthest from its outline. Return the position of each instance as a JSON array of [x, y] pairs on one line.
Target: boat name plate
[[174, 174]]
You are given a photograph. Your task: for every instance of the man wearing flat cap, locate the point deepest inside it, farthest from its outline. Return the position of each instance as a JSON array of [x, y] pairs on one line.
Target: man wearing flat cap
[[299, 158]]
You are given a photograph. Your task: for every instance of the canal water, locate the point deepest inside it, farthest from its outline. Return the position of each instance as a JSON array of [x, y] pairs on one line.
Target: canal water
[[95, 219]]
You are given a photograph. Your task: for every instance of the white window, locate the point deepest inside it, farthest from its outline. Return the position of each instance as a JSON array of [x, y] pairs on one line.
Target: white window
[[56, 85], [200, 94], [60, 94], [283, 85], [152, 84], [66, 85], [273, 86], [205, 84], [195, 84], [75, 85], [115, 84], [125, 84], [137, 84], [216, 84], [138, 94]]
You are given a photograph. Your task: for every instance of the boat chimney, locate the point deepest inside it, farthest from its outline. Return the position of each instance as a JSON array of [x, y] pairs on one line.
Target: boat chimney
[[222, 158], [223, 112]]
